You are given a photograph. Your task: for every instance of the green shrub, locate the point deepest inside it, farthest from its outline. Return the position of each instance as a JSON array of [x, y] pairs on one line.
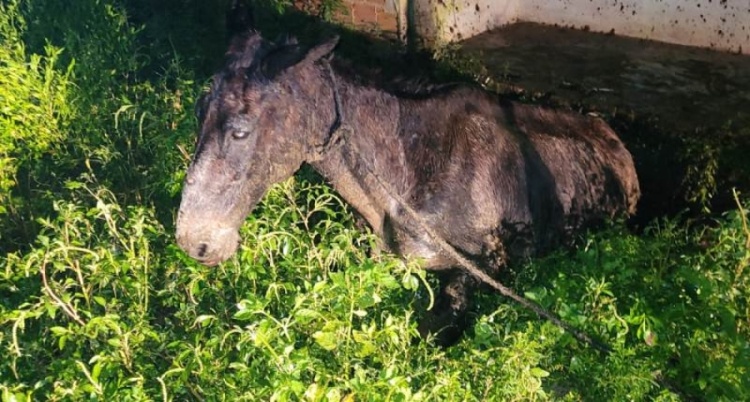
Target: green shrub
[[76, 307], [673, 301], [34, 106], [105, 306], [81, 112]]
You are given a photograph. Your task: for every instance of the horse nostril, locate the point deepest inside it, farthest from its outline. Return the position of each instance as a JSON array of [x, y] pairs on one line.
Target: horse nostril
[[202, 248]]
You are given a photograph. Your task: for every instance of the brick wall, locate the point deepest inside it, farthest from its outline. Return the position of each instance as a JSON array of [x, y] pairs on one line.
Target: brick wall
[[380, 15]]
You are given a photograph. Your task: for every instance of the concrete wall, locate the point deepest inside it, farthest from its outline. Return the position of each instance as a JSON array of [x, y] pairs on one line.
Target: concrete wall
[[719, 24], [451, 20]]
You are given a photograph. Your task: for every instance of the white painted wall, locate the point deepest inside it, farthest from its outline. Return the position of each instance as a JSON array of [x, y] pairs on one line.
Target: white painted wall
[[719, 24], [450, 20]]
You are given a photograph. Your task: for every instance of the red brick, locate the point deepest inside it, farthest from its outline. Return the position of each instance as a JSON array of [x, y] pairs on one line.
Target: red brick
[[361, 13], [364, 13], [388, 22]]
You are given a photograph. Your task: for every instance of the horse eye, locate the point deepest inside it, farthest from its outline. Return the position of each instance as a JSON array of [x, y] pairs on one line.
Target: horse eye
[[240, 134]]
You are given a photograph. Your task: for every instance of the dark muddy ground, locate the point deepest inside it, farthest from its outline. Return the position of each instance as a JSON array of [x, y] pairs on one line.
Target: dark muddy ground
[[684, 112]]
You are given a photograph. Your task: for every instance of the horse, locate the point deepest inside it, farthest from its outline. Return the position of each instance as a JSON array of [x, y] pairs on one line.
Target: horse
[[499, 180]]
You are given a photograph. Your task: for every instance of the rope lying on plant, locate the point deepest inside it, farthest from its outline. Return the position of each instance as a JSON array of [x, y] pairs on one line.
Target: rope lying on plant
[[339, 130]]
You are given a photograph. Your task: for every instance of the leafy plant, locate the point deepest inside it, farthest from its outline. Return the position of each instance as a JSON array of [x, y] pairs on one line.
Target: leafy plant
[[34, 109]]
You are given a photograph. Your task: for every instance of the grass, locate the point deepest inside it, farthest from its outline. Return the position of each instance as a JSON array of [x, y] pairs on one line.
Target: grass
[[98, 303]]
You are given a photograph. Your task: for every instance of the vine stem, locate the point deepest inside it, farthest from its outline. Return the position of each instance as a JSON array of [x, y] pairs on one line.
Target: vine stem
[[68, 309]]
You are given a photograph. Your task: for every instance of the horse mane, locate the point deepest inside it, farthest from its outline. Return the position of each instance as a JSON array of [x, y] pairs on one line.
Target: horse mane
[[403, 86]]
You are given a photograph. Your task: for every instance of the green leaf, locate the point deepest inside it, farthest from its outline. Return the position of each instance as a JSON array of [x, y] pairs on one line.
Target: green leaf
[[100, 301], [305, 315], [59, 331], [204, 320], [326, 340], [96, 371], [410, 281]]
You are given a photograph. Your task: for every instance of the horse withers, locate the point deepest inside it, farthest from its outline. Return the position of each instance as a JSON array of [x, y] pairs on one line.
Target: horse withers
[[500, 181]]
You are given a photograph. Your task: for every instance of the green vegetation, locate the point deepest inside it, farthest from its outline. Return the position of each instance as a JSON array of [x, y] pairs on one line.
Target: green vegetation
[[98, 303]]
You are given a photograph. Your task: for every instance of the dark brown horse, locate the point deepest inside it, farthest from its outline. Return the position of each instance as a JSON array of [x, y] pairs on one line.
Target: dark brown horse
[[498, 180]]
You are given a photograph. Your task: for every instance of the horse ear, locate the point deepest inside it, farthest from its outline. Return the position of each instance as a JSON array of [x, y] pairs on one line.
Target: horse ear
[[240, 18], [242, 49], [291, 57], [280, 60], [320, 51], [241, 35]]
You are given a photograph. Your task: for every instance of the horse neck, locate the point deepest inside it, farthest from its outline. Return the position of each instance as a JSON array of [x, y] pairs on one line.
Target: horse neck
[[371, 147]]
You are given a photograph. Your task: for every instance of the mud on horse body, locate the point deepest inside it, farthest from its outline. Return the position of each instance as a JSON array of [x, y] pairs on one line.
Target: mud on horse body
[[500, 181]]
